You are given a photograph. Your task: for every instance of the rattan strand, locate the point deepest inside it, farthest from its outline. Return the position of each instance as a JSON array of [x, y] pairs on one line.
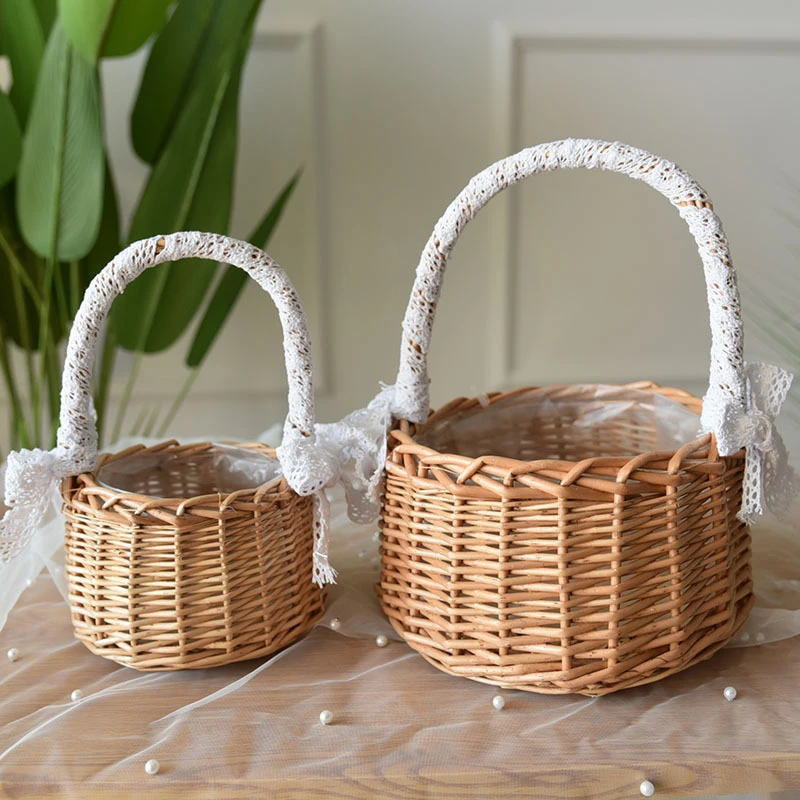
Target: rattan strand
[[193, 579], [578, 573]]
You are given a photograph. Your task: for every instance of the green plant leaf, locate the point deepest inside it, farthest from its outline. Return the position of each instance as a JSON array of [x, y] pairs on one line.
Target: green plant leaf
[[233, 282], [47, 11], [60, 177], [18, 312], [97, 28], [10, 140], [191, 187], [175, 63], [107, 245], [23, 40], [109, 239]]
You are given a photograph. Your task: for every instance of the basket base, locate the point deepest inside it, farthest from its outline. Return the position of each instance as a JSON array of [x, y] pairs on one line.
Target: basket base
[[526, 684], [202, 659]]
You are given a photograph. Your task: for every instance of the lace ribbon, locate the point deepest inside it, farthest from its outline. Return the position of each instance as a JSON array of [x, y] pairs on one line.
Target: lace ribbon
[[769, 480], [31, 481], [309, 468]]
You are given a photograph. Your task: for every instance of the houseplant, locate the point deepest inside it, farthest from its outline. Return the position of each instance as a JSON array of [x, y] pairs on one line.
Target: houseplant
[[59, 220]]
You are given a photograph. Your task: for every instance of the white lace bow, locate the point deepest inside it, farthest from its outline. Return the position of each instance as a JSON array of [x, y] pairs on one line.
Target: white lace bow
[[769, 481], [31, 480]]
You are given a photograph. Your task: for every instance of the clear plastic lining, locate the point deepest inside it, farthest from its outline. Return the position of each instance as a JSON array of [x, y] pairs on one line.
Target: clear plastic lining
[[570, 422], [221, 468]]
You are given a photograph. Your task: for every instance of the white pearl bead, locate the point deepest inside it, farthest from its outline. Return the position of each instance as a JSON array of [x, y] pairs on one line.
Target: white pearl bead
[[326, 717], [381, 641], [499, 702], [13, 654], [760, 637], [744, 636], [647, 788], [151, 766], [76, 695], [362, 554], [730, 693], [336, 623]]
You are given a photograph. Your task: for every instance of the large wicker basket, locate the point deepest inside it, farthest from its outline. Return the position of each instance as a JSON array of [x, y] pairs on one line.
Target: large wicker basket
[[172, 572], [538, 557]]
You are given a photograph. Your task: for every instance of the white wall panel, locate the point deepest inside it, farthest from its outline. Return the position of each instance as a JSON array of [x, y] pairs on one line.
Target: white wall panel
[[603, 278], [391, 107]]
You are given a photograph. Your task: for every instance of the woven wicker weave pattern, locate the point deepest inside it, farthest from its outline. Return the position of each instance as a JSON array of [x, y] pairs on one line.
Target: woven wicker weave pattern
[[570, 574], [163, 584]]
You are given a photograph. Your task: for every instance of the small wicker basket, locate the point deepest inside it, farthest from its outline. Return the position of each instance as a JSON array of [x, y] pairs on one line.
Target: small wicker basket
[[578, 564], [173, 571]]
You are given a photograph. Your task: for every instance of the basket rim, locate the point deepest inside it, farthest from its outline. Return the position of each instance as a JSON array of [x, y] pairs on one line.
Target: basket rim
[[592, 478], [143, 502]]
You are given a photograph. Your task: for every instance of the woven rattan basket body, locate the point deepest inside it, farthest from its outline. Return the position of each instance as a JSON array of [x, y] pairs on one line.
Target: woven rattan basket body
[[570, 574], [545, 558], [193, 582], [173, 568]]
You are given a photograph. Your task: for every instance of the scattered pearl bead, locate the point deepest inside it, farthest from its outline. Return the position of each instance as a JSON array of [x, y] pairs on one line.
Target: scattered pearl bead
[[376, 537], [759, 637], [730, 693], [499, 702], [381, 641], [362, 554], [336, 623], [13, 654], [326, 717], [647, 789], [744, 636], [76, 695], [151, 766]]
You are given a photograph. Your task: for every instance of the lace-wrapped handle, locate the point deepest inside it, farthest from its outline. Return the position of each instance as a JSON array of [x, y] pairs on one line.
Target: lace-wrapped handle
[[726, 381], [77, 435]]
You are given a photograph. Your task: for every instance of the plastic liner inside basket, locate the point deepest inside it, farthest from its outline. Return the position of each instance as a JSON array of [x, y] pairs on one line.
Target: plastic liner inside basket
[[564, 423], [190, 471]]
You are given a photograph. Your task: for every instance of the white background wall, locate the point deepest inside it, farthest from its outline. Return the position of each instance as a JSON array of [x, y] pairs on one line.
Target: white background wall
[[392, 107]]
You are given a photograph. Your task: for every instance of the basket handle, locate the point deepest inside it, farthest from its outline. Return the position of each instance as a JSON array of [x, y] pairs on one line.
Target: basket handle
[[77, 434], [726, 380]]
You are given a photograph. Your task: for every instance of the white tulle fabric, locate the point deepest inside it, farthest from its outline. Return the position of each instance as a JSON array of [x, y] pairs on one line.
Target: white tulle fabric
[[32, 476]]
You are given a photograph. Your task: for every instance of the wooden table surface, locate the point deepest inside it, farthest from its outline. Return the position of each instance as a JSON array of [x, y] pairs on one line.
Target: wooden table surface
[[401, 730]]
